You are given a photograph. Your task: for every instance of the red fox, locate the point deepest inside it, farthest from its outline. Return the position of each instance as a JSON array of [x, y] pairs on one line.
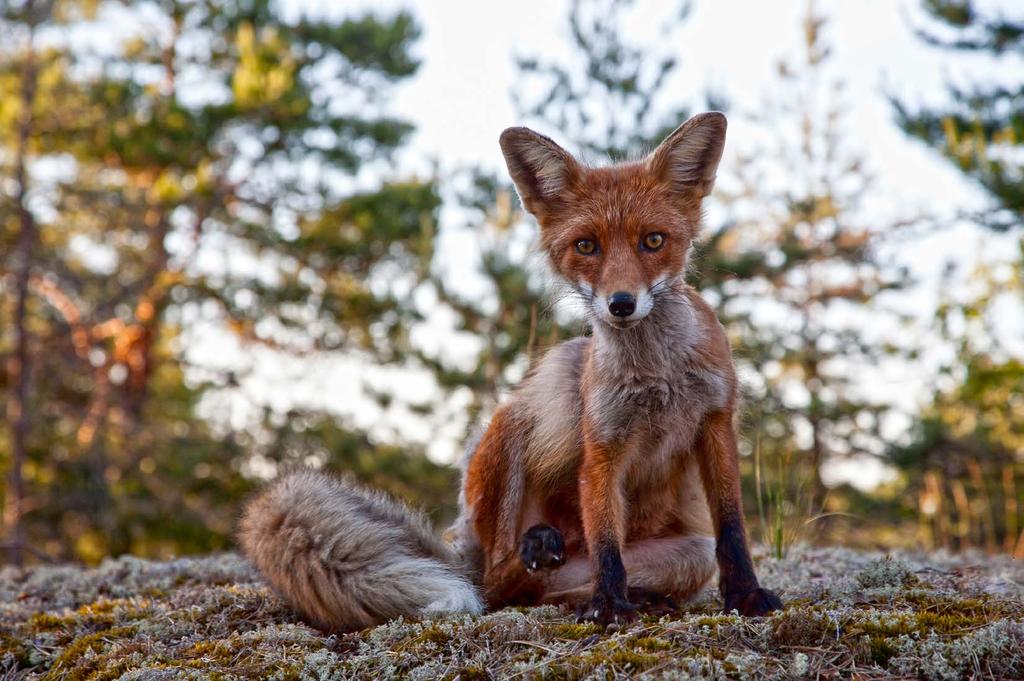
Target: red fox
[[609, 480]]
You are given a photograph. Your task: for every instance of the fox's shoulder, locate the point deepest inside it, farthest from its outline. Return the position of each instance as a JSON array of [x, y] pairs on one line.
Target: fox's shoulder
[[707, 318], [714, 349], [553, 379], [564, 359]]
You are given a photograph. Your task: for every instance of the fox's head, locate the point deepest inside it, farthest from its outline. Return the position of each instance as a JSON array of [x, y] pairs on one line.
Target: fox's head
[[619, 235]]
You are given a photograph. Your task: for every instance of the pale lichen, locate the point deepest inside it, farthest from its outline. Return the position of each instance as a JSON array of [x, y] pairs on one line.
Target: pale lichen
[[849, 614]]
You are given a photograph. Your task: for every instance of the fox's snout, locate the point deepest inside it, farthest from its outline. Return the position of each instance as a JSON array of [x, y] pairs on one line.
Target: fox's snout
[[622, 304], [622, 309]]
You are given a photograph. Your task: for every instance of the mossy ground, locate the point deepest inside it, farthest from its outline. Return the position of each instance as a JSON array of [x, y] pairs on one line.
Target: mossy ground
[[849, 614]]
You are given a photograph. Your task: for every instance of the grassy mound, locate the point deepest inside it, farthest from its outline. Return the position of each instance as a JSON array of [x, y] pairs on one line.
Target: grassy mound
[[849, 613]]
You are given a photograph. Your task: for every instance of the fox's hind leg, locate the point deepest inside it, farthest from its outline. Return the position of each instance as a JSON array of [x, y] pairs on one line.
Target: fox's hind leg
[[498, 506], [673, 567]]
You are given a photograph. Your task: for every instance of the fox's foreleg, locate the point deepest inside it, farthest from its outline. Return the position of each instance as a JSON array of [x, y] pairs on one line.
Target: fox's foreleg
[[603, 511], [719, 468]]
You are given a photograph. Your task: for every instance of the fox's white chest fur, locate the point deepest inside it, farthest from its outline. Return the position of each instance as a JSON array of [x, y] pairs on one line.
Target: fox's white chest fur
[[650, 384], [647, 385]]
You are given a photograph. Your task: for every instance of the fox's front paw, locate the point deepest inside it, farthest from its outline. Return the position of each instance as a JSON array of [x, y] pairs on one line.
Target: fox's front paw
[[753, 603], [606, 610], [542, 547]]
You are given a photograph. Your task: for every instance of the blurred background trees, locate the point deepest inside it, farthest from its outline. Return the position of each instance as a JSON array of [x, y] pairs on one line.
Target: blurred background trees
[[209, 165], [982, 125], [226, 174], [604, 102], [610, 99], [965, 463], [800, 282]]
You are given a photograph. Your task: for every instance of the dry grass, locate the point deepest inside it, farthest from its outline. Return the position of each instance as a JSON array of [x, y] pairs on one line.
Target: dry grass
[[849, 614]]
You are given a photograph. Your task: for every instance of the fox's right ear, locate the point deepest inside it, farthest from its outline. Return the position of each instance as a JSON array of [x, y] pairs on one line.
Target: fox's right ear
[[688, 158], [540, 169]]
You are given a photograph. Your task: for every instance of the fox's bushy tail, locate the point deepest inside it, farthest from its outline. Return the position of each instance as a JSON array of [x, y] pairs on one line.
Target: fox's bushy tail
[[349, 558]]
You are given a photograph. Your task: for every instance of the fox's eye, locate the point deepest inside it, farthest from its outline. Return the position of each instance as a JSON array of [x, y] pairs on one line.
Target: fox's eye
[[653, 241], [586, 246]]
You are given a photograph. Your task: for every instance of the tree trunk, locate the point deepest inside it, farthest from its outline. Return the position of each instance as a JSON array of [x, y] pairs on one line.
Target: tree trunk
[[20, 366], [817, 456]]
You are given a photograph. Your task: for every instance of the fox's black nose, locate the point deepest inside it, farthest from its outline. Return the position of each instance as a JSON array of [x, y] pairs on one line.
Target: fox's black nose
[[621, 304]]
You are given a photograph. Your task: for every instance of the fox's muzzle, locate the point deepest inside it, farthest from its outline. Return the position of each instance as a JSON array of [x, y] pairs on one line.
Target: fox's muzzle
[[622, 304]]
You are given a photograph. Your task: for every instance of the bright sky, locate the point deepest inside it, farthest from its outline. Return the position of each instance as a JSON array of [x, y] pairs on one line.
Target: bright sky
[[460, 101]]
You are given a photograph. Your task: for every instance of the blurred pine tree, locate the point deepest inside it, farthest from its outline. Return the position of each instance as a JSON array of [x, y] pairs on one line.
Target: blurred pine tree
[[608, 101], [981, 128], [803, 276], [509, 313], [205, 161], [610, 98]]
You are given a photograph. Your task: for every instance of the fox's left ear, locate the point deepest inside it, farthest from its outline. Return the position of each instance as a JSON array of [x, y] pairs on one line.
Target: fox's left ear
[[688, 158]]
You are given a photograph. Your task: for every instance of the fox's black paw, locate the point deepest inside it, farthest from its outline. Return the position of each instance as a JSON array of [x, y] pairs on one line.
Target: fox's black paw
[[542, 547], [651, 602], [606, 610], [754, 603]]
